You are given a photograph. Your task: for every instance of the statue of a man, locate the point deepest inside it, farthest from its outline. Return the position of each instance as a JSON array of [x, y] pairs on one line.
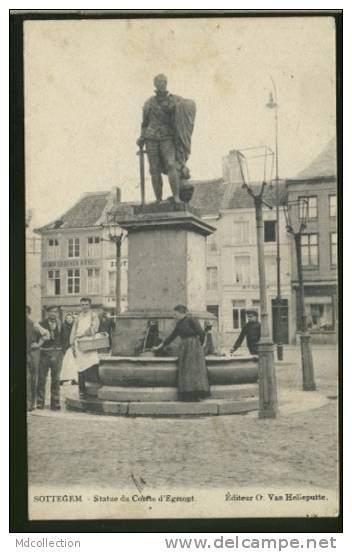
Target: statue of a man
[[167, 128]]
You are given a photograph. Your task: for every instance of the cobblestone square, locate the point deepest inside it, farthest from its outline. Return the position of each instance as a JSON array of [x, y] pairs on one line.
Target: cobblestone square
[[299, 448]]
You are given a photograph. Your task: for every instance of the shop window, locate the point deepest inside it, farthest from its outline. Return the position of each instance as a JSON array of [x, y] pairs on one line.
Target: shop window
[[320, 314]]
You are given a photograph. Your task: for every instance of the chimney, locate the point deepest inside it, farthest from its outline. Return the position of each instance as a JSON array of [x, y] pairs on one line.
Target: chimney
[[230, 169], [116, 194]]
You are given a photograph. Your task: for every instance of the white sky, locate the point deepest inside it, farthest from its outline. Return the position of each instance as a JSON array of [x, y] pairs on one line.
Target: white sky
[[86, 82]]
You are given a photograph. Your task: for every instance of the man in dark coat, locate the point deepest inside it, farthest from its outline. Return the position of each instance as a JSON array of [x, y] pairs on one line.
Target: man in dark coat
[[33, 342], [250, 331], [51, 359], [106, 325]]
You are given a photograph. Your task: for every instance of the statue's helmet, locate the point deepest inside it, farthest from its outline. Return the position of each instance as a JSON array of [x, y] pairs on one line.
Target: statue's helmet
[[161, 76]]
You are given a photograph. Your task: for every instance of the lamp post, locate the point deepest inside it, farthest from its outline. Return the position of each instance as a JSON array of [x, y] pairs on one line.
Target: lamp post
[[116, 236], [267, 376], [273, 104], [296, 218]]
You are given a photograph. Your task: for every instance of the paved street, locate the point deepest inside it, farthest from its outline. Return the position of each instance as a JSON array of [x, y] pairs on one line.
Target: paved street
[[301, 448]]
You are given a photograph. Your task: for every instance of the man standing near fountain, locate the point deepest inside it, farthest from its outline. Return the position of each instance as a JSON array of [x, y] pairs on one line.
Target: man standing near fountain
[[166, 131], [250, 331]]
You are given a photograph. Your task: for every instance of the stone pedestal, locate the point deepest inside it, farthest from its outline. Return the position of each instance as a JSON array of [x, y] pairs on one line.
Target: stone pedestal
[[167, 266]]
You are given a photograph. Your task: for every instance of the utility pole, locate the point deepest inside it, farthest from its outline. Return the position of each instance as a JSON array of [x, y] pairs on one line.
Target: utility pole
[[273, 104]]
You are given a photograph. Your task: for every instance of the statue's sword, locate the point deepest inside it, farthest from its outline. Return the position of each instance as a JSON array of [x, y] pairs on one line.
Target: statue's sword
[[141, 153]]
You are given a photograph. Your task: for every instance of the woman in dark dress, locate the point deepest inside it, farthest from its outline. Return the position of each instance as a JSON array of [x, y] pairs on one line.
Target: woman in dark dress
[[193, 383]]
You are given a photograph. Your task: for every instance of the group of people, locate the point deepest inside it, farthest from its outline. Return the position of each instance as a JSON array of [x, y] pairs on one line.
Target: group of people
[[54, 346]]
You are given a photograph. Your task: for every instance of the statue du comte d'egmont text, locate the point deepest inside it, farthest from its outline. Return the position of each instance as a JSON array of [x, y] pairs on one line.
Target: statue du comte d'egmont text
[[167, 128]]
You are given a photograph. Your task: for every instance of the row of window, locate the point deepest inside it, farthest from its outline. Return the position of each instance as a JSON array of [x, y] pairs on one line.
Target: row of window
[[310, 203], [310, 249], [72, 277], [241, 234], [241, 228], [242, 263], [242, 271], [319, 310], [74, 247]]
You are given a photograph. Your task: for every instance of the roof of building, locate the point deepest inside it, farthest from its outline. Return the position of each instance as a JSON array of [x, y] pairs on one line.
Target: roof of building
[[90, 210], [323, 165], [240, 198], [210, 197], [85, 212]]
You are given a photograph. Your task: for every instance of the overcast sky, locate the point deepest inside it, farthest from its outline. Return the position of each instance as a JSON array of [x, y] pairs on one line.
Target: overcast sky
[[86, 82]]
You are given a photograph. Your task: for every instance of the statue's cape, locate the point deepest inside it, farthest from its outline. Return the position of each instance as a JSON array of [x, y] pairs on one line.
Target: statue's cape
[[185, 113]]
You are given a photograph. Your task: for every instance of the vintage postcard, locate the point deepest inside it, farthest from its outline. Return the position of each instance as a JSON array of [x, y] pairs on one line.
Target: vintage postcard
[[182, 264]]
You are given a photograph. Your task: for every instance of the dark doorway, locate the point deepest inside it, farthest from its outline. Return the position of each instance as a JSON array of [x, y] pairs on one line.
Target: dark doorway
[[283, 311]]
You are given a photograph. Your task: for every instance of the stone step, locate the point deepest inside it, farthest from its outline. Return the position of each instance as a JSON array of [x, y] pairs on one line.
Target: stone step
[[240, 391], [201, 408], [138, 376], [236, 374], [146, 394], [209, 407], [151, 375], [152, 394]]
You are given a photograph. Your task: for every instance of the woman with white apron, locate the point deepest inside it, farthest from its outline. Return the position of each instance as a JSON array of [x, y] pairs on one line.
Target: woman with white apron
[[83, 363]]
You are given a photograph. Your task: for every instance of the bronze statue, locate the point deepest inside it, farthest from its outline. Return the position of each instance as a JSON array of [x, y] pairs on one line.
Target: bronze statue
[[167, 128]]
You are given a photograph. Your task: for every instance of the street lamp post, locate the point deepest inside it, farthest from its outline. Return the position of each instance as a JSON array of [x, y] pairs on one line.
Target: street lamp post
[[267, 375], [116, 236], [296, 216], [273, 104]]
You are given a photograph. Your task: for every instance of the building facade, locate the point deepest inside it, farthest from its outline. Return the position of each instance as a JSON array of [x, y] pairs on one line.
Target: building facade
[[232, 273], [79, 259], [317, 187]]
